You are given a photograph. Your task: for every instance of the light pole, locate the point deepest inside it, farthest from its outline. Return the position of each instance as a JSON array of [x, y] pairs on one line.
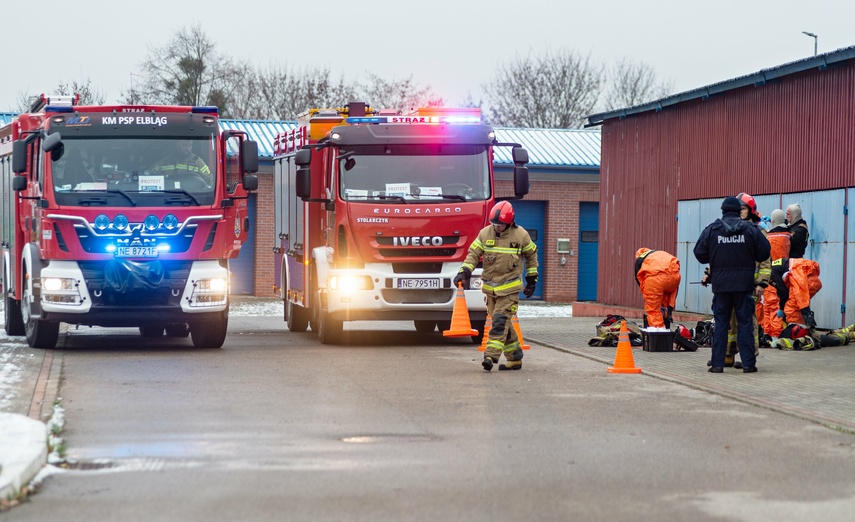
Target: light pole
[[815, 38]]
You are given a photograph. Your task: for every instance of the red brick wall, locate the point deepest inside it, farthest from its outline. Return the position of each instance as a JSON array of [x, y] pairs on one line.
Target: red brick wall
[[265, 238], [562, 221]]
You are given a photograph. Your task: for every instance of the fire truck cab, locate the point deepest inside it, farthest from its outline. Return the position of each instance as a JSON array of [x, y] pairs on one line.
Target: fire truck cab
[[121, 216], [375, 211]]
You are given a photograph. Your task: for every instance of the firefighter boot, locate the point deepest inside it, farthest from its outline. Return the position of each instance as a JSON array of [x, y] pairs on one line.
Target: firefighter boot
[[488, 363], [514, 361]]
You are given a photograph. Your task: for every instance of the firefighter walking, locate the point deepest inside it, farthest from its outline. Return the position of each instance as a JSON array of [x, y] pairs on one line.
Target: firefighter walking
[[502, 247]]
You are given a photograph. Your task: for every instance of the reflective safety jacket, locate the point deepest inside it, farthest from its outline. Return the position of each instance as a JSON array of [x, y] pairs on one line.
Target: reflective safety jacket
[[190, 164], [502, 256]]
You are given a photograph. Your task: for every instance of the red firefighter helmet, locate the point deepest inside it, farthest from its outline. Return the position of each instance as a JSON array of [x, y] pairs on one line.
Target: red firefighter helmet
[[748, 201], [502, 213]]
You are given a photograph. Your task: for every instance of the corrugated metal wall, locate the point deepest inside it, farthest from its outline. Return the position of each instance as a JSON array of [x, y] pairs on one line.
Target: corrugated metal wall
[[796, 134]]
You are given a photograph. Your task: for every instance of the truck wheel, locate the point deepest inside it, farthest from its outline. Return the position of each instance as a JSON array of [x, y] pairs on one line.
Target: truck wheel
[[177, 330], [150, 331], [12, 315], [40, 333], [298, 317], [478, 325], [425, 326], [329, 329], [211, 334]]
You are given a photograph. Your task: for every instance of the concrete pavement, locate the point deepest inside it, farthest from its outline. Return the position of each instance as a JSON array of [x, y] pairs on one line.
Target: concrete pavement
[[814, 385]]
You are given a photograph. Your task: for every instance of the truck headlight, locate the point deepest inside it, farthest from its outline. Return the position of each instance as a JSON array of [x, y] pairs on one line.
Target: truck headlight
[[60, 290], [210, 292], [350, 283]]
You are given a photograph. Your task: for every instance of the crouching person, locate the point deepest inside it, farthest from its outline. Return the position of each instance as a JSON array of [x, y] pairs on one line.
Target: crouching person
[[796, 281], [657, 273]]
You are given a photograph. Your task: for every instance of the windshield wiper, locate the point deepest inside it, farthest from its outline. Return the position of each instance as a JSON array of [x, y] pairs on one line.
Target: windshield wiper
[[180, 201], [123, 193], [86, 202]]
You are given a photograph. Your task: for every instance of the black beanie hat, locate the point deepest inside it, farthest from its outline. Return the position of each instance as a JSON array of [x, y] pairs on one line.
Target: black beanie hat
[[731, 204]]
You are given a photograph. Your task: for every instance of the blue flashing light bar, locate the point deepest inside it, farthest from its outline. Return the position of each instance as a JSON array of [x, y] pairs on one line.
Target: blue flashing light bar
[[59, 108], [366, 119], [205, 109], [356, 120]]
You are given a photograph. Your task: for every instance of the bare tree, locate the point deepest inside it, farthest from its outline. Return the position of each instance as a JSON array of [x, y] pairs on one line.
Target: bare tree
[[89, 95], [188, 71], [397, 94], [553, 90], [634, 83], [285, 93]]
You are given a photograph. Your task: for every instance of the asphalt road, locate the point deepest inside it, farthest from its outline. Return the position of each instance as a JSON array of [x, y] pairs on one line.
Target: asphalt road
[[397, 426]]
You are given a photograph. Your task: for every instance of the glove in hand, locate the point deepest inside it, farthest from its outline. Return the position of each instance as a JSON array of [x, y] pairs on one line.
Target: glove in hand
[[530, 285], [462, 277]]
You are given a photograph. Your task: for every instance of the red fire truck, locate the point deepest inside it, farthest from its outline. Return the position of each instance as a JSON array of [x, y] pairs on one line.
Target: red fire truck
[[121, 216], [375, 211]]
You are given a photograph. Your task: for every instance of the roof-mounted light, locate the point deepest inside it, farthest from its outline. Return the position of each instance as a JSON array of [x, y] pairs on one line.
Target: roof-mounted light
[[59, 108], [205, 109]]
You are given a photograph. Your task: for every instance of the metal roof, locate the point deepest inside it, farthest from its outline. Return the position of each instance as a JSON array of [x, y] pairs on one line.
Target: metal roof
[[559, 148], [757, 79], [262, 131], [7, 117]]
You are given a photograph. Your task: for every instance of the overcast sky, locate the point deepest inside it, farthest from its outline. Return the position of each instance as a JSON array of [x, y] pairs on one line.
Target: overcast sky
[[453, 46]]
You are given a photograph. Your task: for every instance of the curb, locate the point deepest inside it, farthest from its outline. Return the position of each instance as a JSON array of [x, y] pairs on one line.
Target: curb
[[23, 453]]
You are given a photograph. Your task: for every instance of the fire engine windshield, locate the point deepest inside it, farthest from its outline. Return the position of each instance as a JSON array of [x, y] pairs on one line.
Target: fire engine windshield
[[413, 173], [130, 171]]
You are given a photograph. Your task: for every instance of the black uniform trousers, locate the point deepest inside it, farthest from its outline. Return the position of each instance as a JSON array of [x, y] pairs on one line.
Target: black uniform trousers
[[724, 303]]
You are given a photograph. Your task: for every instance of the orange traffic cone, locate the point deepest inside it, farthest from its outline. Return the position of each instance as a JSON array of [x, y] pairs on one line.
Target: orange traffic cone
[[487, 325], [460, 324], [624, 362], [516, 323]]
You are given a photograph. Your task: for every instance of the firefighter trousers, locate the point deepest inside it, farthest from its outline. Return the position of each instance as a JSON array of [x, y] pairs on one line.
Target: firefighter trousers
[[502, 337]]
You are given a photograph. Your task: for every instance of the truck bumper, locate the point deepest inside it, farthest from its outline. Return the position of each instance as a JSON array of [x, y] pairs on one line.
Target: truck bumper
[[386, 300], [111, 294]]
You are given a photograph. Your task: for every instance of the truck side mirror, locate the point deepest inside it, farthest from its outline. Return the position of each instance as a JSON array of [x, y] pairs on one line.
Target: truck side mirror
[[19, 156], [303, 158], [250, 182], [19, 183], [521, 184], [520, 156], [249, 157], [303, 182]]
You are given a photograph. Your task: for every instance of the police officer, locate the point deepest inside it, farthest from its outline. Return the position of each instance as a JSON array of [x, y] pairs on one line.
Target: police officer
[[502, 246], [732, 247], [658, 275]]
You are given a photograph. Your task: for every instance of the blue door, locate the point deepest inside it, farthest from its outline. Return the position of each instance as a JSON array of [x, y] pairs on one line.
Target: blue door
[[243, 266], [531, 215], [589, 247]]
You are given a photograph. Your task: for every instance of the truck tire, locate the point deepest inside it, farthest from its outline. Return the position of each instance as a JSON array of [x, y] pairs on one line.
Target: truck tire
[[40, 333], [425, 326], [297, 317], [14, 319], [151, 331], [478, 325], [329, 329], [211, 334]]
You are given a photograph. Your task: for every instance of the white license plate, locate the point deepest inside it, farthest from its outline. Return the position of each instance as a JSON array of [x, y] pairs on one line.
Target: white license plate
[[136, 251], [418, 283]]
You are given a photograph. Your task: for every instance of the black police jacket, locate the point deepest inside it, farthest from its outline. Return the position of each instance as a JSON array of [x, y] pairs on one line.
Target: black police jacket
[[732, 247]]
